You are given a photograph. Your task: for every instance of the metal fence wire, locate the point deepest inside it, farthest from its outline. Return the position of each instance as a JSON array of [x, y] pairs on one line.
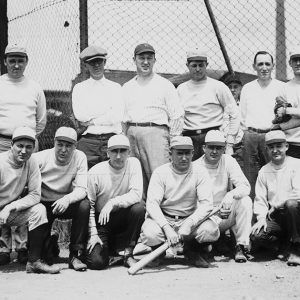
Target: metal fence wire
[[53, 33]]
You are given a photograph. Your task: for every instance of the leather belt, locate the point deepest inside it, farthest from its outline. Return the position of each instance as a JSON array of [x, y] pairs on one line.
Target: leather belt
[[145, 124], [199, 131], [174, 217], [258, 130], [9, 137], [98, 136]]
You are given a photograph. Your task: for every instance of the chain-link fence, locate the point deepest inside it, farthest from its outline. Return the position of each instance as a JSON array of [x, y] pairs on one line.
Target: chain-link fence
[[51, 31]]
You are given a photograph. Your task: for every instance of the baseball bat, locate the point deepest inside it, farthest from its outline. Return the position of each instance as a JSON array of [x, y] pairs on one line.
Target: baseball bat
[[154, 254]]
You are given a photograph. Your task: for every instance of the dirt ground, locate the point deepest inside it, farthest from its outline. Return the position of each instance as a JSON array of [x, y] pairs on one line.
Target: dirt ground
[[263, 279]]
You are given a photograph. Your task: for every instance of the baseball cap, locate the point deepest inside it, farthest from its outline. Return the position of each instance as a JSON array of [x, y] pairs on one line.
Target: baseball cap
[[196, 54], [275, 136], [23, 132], [295, 52], [181, 142], [67, 134], [15, 49], [142, 48], [233, 78], [215, 137], [118, 141], [92, 52]]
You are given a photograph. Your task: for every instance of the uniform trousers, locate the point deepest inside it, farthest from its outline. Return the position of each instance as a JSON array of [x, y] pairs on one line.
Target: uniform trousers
[[122, 231], [294, 151]]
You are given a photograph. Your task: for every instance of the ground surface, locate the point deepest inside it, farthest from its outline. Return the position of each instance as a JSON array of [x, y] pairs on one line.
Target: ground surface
[[264, 279]]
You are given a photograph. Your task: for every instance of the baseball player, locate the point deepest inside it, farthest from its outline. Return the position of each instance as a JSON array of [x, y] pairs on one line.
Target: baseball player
[[276, 204], [231, 190], [115, 190], [22, 103], [97, 105], [152, 113], [205, 100], [179, 196], [64, 189], [18, 170], [257, 105]]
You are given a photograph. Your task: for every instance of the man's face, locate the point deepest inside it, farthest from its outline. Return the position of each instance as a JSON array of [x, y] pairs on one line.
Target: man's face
[[277, 152], [235, 89], [295, 64], [181, 159], [22, 150], [213, 153], [16, 65], [63, 151], [263, 66], [197, 69], [118, 157], [96, 68], [144, 63]]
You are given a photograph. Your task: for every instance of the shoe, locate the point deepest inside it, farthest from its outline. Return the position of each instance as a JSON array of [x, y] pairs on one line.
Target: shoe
[[129, 261], [22, 256], [293, 260], [4, 258], [76, 264], [39, 266], [196, 259], [239, 256]]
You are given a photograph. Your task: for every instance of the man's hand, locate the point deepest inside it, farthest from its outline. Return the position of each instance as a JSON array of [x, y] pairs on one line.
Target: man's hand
[[275, 127], [186, 228], [229, 149], [93, 240], [172, 237], [280, 110], [105, 213], [4, 214], [60, 205], [226, 206], [261, 223]]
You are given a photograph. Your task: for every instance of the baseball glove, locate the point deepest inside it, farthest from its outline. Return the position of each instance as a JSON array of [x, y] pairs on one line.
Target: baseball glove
[[279, 116]]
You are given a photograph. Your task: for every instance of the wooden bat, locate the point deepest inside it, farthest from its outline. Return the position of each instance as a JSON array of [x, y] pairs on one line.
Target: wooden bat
[[161, 249]]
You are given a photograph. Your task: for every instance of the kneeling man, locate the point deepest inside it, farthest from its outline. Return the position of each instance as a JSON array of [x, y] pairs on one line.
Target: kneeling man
[[64, 190], [115, 189], [231, 191], [19, 171], [179, 197], [277, 200]]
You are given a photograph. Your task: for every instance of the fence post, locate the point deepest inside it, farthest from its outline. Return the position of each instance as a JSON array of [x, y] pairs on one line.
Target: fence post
[[3, 34], [83, 29]]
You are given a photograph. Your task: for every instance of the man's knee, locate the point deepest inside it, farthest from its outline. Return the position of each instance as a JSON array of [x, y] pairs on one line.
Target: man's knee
[[84, 206], [98, 259], [37, 216], [291, 204], [152, 234], [208, 232], [138, 210]]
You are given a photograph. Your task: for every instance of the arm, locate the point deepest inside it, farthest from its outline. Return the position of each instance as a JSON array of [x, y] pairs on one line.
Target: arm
[[78, 104], [41, 113], [292, 123], [92, 196], [243, 108]]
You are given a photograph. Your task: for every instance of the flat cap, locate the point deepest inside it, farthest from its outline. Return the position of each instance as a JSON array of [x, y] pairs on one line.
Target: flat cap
[[23, 132], [15, 49], [67, 134], [215, 137], [181, 142], [275, 136], [118, 141], [197, 54], [92, 52], [295, 51], [233, 78], [142, 48]]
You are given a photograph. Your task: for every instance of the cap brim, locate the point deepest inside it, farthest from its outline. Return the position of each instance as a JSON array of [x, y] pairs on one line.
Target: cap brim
[[94, 57], [202, 58], [294, 55], [118, 147], [215, 143], [144, 51], [17, 54], [20, 137], [182, 147], [274, 141], [66, 139]]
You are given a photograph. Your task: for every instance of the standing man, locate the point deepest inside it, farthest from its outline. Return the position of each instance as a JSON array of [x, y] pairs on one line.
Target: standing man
[[22, 103], [179, 197], [97, 105], [205, 100], [115, 190], [64, 189], [231, 190], [292, 127], [257, 105], [19, 171], [276, 204], [152, 113]]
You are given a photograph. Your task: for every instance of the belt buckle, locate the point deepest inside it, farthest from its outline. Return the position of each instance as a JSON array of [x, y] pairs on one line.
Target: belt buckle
[[198, 131], [176, 218]]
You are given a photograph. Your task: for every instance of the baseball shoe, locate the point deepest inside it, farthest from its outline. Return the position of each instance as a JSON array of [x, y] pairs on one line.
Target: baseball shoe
[[196, 259], [22, 256], [293, 260], [39, 266], [4, 258], [76, 264], [240, 256]]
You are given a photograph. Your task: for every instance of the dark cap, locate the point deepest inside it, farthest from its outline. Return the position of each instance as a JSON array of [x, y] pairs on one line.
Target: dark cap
[[233, 78], [142, 48], [92, 52]]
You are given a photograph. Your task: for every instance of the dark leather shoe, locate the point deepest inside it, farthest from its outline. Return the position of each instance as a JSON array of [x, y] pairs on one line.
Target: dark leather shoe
[[4, 258], [76, 264], [240, 256], [22, 256], [40, 267], [196, 259]]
